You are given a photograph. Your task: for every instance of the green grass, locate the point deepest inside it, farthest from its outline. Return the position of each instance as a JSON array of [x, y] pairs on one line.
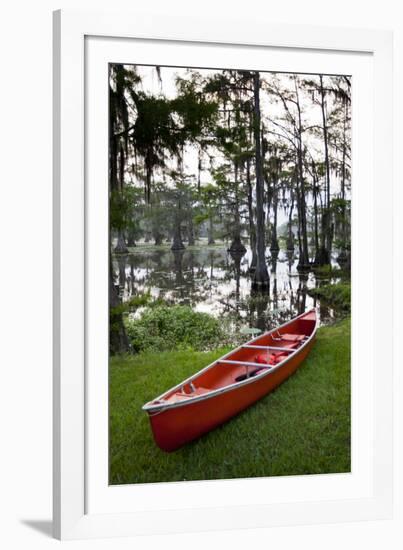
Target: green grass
[[303, 427]]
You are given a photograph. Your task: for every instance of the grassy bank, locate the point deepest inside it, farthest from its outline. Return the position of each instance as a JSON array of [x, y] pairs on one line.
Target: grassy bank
[[301, 428]]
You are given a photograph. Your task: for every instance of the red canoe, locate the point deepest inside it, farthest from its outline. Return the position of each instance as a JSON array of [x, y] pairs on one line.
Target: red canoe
[[230, 384]]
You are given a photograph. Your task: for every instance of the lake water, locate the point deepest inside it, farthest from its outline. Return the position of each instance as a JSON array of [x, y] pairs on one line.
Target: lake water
[[210, 280]]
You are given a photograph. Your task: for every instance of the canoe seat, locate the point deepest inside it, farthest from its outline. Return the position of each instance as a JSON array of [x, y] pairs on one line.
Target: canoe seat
[[200, 391], [180, 395], [272, 359], [292, 337]]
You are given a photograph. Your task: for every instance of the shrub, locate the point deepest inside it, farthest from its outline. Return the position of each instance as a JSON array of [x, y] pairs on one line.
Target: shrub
[[173, 327], [338, 295]]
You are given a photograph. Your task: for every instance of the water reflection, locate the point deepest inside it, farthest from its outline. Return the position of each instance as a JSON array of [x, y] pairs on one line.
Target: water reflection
[[218, 282]]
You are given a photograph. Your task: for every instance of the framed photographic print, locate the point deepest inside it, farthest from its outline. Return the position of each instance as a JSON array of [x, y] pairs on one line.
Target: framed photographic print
[[221, 197]]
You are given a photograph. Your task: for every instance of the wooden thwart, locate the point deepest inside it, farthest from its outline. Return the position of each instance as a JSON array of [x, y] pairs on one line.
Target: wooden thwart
[[245, 363], [273, 348]]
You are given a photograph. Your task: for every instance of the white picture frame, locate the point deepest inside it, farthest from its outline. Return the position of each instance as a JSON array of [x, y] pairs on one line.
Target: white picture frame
[[79, 480]]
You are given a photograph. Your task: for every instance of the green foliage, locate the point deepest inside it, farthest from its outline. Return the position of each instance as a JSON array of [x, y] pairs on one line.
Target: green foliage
[[329, 272], [154, 132], [197, 114], [340, 205], [341, 244], [165, 327], [131, 305], [338, 295], [200, 218], [123, 209], [301, 428]]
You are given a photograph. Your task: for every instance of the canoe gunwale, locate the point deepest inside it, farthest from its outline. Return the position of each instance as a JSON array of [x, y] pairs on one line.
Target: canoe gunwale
[[152, 407]]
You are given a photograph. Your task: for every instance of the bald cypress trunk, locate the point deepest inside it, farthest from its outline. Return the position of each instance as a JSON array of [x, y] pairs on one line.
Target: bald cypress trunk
[[177, 243], [290, 237], [149, 171], [130, 238], [303, 263], [326, 240], [118, 341], [274, 246], [121, 247], [210, 230], [342, 257], [315, 213], [236, 246], [191, 230], [304, 250], [261, 275], [252, 228]]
